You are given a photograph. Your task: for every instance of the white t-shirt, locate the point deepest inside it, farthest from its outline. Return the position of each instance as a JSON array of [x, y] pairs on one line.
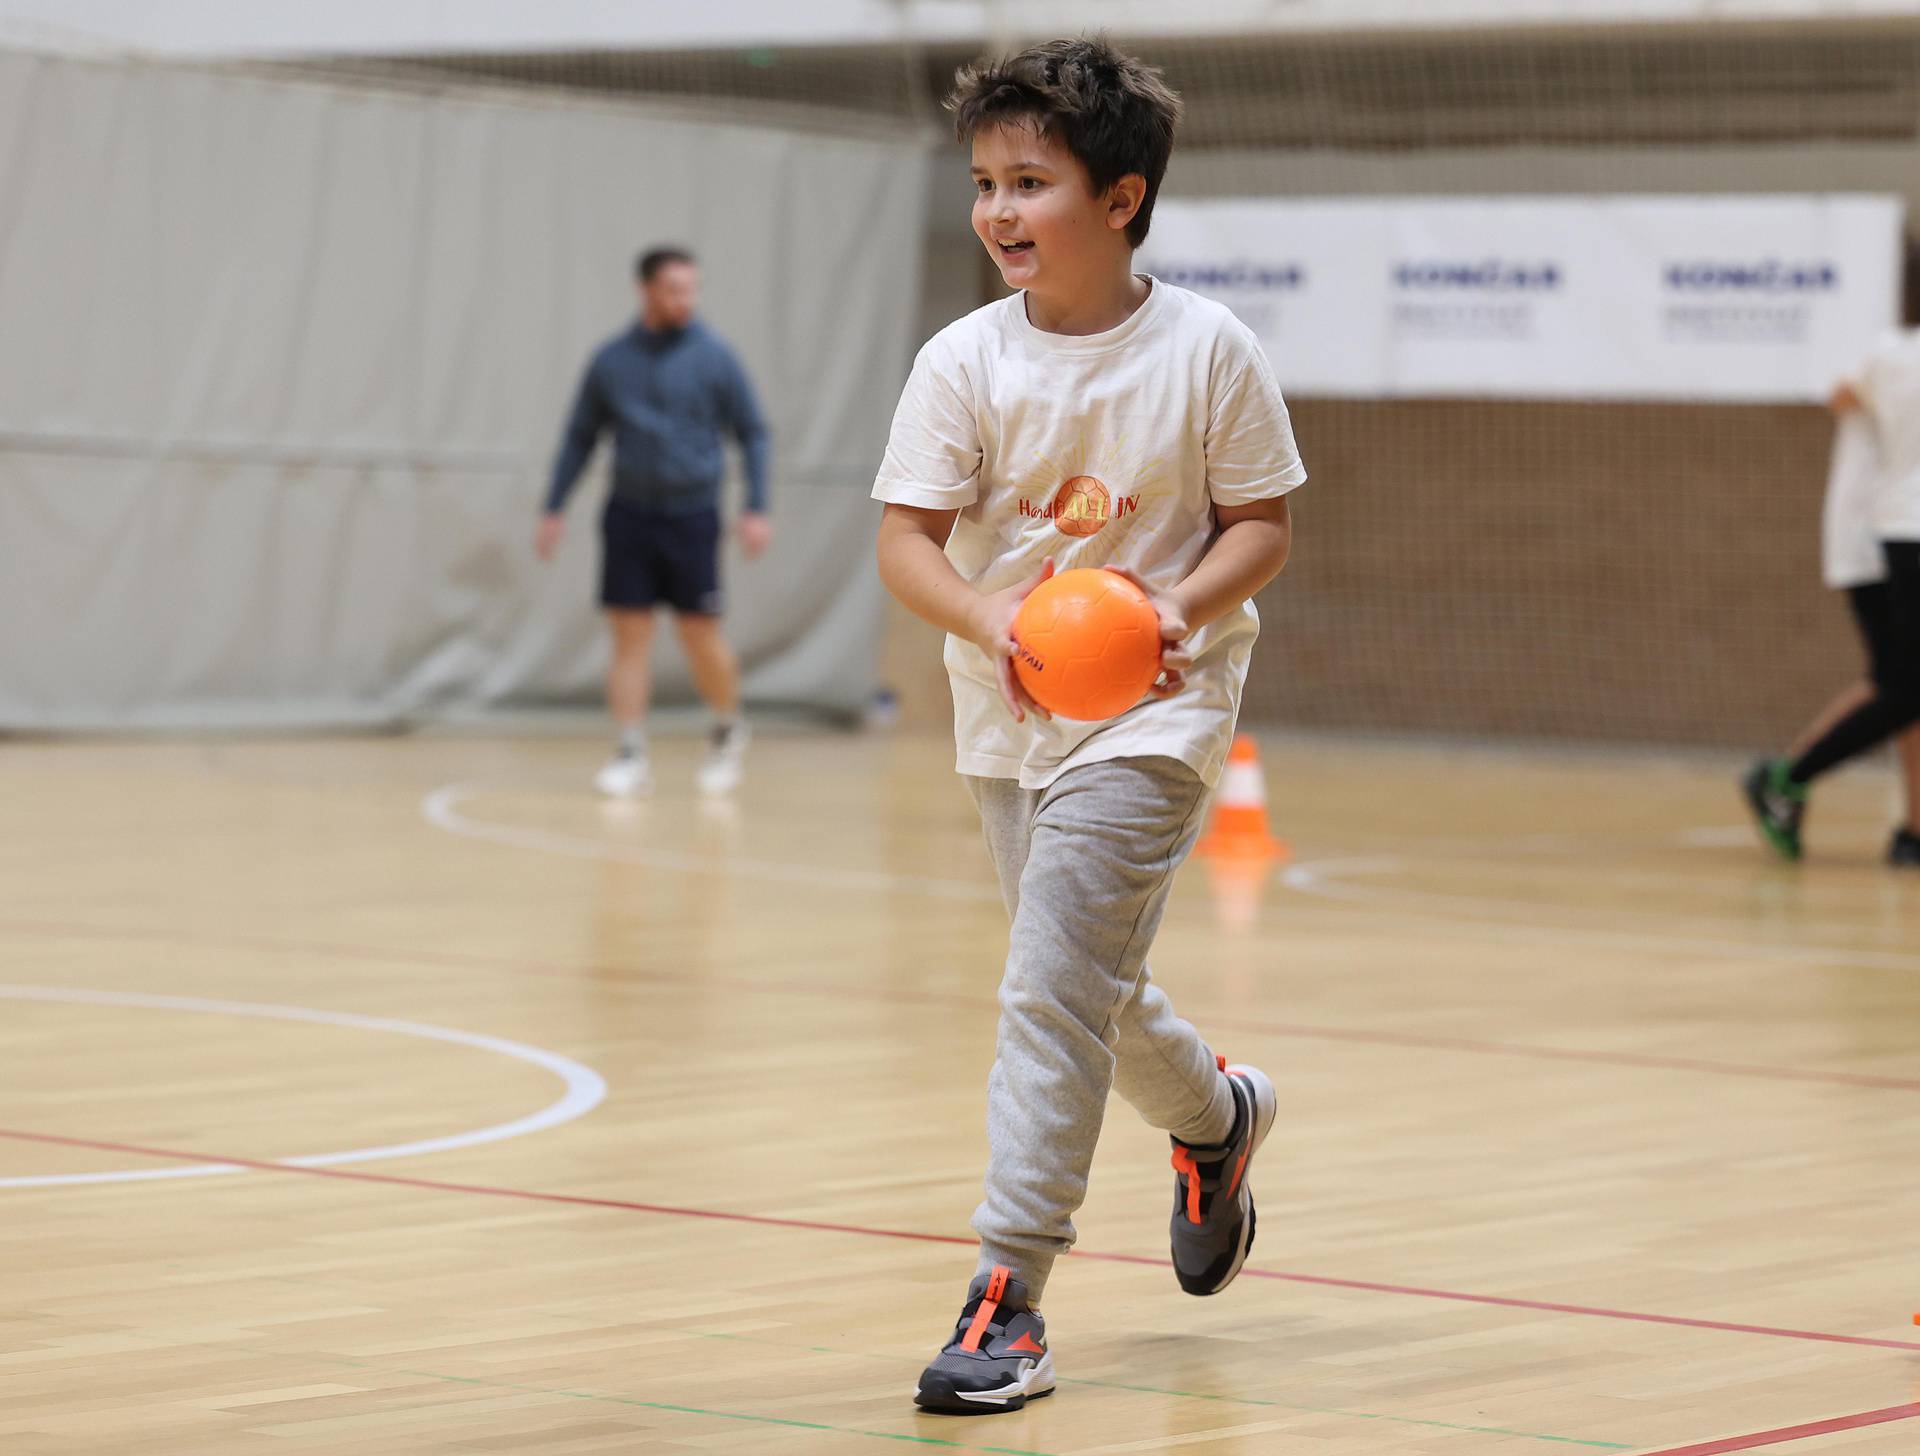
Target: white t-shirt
[[1889, 387], [1099, 449], [1849, 541]]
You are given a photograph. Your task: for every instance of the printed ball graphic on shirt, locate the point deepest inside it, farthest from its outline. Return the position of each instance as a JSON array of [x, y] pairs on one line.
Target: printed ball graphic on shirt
[[1080, 506], [1087, 644]]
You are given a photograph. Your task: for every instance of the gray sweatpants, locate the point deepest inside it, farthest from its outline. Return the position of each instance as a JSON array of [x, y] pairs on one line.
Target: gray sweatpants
[[1085, 865]]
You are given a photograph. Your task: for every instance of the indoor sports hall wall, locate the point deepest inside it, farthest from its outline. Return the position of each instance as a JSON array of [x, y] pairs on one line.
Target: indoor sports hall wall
[[1576, 569], [283, 363], [1563, 569], [1460, 570], [1590, 570], [1547, 568]]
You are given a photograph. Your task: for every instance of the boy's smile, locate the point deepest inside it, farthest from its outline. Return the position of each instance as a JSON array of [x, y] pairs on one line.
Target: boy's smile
[[1034, 207], [1047, 230]]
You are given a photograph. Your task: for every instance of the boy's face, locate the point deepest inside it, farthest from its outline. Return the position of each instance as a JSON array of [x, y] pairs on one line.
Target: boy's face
[[1036, 211]]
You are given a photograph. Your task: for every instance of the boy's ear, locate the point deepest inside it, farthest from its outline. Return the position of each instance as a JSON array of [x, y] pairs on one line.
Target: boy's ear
[[1124, 199]]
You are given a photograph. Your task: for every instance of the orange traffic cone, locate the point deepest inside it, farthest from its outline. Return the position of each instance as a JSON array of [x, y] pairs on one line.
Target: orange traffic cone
[[1239, 825]]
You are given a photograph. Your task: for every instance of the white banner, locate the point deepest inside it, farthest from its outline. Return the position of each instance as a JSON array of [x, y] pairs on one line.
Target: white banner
[[1721, 298]]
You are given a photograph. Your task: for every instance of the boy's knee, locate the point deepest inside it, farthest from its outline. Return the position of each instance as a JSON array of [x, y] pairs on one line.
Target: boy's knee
[[1031, 1004]]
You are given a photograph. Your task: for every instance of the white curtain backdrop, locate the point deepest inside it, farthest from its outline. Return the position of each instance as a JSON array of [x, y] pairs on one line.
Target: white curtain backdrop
[[283, 365]]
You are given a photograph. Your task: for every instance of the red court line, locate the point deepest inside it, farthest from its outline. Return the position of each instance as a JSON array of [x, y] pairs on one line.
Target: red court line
[[1791, 1433], [910, 996], [580, 1199], [672, 1211]]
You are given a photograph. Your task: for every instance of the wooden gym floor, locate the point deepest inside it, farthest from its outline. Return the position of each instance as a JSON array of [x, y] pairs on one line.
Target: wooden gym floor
[[396, 1096]]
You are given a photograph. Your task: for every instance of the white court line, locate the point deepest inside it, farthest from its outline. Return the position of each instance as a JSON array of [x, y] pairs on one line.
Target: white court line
[[441, 808], [585, 1088]]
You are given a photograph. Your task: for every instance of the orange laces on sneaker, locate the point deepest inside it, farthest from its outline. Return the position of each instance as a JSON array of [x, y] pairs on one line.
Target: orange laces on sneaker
[[1184, 1165], [990, 1298]]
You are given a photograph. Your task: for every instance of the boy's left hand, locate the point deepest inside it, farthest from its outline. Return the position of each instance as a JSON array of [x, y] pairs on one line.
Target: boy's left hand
[[1174, 658]]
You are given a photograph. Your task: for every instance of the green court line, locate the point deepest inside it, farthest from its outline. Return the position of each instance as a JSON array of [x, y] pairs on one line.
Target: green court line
[[1332, 1410], [1326, 1410], [791, 1424], [646, 1405]]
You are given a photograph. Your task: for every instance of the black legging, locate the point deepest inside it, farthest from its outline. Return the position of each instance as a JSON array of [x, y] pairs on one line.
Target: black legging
[[1895, 703]]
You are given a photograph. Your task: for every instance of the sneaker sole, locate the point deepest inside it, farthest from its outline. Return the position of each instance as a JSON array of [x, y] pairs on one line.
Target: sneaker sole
[[1266, 1111], [942, 1399]]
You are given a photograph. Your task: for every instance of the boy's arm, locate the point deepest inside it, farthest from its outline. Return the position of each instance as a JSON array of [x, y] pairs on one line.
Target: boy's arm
[[1248, 553], [1251, 464], [914, 567]]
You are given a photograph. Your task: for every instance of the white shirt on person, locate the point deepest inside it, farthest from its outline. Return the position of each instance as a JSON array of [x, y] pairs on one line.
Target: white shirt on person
[[1099, 449], [1889, 389], [1850, 553]]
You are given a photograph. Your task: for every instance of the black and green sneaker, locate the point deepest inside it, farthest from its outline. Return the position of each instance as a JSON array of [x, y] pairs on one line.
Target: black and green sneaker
[[1777, 803]]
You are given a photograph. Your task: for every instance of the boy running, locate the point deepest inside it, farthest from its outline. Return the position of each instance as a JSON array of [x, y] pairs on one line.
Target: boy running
[[1096, 418]]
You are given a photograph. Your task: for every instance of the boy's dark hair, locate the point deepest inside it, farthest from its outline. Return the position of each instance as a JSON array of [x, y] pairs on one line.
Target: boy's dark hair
[[1111, 112], [654, 259]]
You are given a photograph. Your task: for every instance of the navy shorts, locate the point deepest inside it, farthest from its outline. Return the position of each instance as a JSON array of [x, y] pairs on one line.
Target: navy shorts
[[648, 557]]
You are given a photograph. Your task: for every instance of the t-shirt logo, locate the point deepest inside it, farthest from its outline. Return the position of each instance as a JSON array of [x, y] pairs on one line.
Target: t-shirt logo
[[1081, 507]]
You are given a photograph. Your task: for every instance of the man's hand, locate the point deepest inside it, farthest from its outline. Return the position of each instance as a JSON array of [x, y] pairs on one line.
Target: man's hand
[[546, 540], [1174, 659], [991, 629], [755, 532]]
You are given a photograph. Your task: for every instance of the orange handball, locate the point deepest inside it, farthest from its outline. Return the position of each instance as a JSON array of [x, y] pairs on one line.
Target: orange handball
[[1086, 644]]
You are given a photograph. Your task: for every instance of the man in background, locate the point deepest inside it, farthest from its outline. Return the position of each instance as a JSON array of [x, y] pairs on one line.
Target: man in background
[[668, 388]]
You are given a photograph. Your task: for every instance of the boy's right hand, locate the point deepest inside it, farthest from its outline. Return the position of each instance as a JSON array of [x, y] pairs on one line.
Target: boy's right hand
[[546, 540], [992, 632]]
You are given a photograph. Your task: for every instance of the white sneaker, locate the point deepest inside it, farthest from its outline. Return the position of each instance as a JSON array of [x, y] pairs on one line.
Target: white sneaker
[[626, 776], [725, 763]]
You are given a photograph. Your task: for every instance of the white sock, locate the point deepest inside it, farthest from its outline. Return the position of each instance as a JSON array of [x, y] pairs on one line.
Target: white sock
[[633, 740]]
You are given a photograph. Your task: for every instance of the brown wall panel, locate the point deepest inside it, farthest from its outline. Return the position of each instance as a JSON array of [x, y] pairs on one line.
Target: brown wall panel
[[1627, 572]]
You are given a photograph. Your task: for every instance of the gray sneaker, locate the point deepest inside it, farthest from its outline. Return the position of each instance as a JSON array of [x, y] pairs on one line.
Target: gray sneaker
[[997, 1359], [1212, 1201]]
